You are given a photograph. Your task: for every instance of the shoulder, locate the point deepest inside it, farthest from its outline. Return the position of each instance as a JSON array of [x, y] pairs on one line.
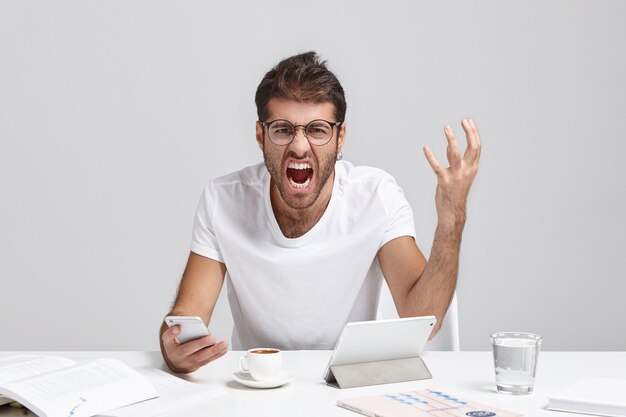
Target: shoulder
[[369, 186], [251, 176], [363, 176], [227, 195]]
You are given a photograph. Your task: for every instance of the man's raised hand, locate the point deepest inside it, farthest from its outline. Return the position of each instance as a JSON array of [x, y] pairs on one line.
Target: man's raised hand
[[454, 182]]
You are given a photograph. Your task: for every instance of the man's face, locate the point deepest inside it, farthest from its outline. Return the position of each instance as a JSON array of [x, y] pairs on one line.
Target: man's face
[[300, 170]]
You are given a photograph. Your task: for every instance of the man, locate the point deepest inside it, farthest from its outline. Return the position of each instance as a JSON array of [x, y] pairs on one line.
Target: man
[[305, 238]]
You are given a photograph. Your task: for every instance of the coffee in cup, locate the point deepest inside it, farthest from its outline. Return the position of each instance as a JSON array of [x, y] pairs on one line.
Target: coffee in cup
[[263, 364], [264, 351]]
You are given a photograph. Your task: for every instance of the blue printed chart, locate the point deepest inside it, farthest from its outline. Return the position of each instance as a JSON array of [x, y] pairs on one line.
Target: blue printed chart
[[425, 403]]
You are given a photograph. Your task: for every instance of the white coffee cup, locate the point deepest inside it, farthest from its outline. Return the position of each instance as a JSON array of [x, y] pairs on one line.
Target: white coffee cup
[[263, 364]]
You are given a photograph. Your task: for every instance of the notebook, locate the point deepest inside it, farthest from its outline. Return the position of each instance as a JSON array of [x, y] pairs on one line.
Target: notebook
[[591, 395]]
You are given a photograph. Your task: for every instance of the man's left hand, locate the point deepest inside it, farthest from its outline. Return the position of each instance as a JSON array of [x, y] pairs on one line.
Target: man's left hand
[[454, 182]]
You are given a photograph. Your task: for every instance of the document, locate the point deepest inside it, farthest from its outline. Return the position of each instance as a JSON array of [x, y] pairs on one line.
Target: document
[[175, 394], [424, 403], [53, 386]]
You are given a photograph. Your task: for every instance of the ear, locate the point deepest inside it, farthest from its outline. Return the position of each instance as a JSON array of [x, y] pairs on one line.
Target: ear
[[259, 134], [342, 136]]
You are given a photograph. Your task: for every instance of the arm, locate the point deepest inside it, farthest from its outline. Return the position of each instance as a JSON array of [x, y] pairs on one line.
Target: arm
[[197, 295], [423, 288]]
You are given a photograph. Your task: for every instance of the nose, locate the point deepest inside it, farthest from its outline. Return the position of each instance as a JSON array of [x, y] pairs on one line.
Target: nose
[[300, 144]]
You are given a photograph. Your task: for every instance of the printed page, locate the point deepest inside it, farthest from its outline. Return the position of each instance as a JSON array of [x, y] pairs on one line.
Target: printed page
[[175, 394], [425, 403], [81, 390], [23, 366]]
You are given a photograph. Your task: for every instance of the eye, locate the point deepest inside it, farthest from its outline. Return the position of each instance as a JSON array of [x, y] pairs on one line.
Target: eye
[[282, 129], [318, 129]]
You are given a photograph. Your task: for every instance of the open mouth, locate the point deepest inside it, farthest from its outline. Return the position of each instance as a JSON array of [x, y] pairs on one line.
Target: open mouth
[[299, 175]]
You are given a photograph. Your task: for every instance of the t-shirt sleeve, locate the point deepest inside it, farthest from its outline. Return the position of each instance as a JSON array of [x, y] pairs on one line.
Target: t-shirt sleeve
[[400, 221], [203, 240]]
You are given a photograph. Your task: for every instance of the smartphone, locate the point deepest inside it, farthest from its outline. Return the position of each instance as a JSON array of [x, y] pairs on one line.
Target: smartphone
[[191, 327]]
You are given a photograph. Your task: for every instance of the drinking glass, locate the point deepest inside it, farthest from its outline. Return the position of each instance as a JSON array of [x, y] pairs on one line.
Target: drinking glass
[[515, 360]]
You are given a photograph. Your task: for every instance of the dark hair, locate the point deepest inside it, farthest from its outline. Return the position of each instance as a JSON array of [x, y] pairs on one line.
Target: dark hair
[[305, 78]]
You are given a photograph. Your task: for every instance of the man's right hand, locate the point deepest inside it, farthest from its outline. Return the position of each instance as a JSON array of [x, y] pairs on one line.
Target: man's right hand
[[190, 356]]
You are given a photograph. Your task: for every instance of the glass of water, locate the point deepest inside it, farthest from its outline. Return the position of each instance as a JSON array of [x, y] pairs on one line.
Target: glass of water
[[515, 360]]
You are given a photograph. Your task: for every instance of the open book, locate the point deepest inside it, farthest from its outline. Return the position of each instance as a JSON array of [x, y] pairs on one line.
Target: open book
[[52, 386]]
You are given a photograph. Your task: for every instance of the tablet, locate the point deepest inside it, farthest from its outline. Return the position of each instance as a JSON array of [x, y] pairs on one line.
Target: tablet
[[379, 340]]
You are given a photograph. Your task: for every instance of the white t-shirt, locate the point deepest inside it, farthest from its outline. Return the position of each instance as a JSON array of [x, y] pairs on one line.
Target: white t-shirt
[[299, 293]]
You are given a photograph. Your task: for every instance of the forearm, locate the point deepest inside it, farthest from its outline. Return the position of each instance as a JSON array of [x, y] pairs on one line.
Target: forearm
[[432, 292], [198, 290]]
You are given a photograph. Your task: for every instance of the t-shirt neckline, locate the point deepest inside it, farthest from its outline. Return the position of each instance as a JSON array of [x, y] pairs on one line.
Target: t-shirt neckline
[[298, 241]]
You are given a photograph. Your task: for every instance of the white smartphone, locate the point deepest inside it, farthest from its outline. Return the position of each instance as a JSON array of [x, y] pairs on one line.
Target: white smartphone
[[191, 327]]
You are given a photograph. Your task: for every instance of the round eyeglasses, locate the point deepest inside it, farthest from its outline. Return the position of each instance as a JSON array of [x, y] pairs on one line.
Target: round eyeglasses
[[318, 132]]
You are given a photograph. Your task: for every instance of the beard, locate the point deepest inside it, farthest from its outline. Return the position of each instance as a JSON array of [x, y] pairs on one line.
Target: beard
[[324, 168]]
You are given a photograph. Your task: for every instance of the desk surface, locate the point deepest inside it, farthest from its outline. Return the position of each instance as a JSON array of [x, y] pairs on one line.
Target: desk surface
[[465, 374]]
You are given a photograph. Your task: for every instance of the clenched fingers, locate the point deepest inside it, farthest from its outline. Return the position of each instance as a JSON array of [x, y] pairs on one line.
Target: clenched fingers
[[188, 357], [193, 346], [209, 354]]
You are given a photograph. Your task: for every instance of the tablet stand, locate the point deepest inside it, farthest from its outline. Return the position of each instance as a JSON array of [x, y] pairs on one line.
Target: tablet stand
[[378, 372]]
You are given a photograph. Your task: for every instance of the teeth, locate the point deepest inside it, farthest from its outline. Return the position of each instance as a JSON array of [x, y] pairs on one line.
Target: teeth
[[296, 185], [293, 165]]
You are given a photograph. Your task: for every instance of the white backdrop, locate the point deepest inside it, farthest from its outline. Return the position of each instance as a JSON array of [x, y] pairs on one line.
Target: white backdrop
[[114, 114]]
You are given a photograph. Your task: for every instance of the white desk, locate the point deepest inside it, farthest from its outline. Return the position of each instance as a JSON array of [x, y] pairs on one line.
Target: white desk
[[466, 374]]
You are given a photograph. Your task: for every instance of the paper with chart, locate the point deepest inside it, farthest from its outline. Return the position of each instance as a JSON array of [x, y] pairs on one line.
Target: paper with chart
[[425, 403]]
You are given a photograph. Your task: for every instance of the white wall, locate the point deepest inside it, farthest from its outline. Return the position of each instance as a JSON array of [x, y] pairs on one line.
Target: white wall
[[114, 114]]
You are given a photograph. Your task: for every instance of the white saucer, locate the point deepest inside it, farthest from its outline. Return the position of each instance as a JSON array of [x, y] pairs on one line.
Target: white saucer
[[244, 378]]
